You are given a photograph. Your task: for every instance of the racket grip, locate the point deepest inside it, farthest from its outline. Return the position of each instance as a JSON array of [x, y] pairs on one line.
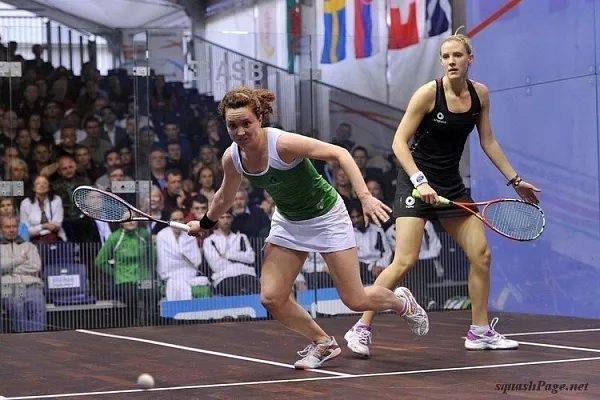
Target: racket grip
[[417, 195], [179, 225]]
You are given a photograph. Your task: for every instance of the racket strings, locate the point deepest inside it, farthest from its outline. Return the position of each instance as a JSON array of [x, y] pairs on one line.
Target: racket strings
[[101, 206], [522, 221]]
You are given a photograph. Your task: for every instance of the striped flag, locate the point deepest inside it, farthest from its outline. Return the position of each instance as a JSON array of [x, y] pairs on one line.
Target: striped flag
[[334, 42], [404, 29], [437, 17], [363, 28]]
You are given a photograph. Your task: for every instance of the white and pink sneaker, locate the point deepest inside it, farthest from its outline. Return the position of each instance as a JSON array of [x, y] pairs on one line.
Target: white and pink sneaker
[[490, 340]]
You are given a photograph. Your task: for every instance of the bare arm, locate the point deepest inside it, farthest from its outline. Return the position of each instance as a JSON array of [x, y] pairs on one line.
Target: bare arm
[[223, 198], [420, 104], [486, 138], [291, 146]]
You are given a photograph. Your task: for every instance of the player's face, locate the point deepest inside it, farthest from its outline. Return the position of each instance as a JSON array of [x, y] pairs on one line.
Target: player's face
[[243, 125], [455, 59]]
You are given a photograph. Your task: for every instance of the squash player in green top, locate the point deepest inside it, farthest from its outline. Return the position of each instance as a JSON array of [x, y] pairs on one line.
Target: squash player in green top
[[310, 216]]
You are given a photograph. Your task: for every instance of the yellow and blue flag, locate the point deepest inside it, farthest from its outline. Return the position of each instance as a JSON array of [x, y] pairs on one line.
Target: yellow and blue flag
[[334, 20]]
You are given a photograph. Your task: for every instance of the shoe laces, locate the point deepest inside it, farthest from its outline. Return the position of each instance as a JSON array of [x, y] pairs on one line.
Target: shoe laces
[[313, 349], [493, 324], [493, 329], [364, 336], [417, 315]]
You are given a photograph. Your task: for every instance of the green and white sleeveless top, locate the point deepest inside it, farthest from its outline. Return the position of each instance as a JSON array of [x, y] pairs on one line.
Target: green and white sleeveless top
[[298, 190]]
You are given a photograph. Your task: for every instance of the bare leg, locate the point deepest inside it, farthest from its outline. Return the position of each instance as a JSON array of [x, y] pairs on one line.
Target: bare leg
[[469, 233], [409, 234], [343, 267], [280, 268]]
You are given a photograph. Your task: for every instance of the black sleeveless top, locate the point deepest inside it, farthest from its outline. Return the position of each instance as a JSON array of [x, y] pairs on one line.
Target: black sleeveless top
[[440, 138]]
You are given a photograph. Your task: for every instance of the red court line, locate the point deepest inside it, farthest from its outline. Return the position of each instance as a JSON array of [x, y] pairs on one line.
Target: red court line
[[492, 18]]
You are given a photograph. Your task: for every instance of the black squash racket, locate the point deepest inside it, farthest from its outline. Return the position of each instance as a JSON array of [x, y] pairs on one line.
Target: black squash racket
[[108, 207], [514, 219]]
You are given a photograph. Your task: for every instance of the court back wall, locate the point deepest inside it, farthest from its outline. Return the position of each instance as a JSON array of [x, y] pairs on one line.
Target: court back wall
[[540, 64]]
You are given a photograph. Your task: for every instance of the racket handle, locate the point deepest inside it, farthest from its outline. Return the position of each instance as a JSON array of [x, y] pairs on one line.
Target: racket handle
[[179, 225], [417, 195]]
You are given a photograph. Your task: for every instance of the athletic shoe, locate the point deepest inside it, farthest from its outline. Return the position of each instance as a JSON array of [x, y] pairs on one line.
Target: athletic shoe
[[491, 340], [358, 341], [314, 355], [416, 317]]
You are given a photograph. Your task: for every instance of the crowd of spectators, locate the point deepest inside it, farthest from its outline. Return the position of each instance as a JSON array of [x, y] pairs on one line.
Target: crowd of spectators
[[59, 131]]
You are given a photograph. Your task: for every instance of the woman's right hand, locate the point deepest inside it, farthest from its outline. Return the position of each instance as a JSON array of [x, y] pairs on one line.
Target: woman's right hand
[[196, 230], [428, 195]]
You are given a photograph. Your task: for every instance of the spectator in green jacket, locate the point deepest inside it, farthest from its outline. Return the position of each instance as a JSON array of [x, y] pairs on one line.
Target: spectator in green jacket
[[128, 257]]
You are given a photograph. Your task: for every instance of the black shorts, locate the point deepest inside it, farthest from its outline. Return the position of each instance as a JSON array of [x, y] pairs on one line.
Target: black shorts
[[450, 187]]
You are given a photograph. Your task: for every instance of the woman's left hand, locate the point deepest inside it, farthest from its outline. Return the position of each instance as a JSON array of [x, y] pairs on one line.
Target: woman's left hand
[[527, 192]]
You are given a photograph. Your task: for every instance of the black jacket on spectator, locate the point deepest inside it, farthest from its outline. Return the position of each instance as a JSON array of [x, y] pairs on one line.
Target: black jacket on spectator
[[253, 222]]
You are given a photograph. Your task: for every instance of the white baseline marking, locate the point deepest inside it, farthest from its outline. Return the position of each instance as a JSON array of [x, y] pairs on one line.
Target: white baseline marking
[[209, 352], [320, 378], [550, 332], [554, 332], [558, 346]]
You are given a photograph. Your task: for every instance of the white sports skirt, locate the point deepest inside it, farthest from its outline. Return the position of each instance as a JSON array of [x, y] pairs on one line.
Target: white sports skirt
[[328, 233]]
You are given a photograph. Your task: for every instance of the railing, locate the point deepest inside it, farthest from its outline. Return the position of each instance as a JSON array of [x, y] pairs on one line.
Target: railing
[[89, 285], [63, 46], [304, 103], [223, 69]]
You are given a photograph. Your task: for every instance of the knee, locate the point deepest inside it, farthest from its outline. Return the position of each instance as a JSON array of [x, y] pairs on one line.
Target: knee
[[273, 300], [401, 264], [482, 258]]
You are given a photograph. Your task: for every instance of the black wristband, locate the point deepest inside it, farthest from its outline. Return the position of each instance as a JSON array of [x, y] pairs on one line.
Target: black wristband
[[206, 223], [513, 180]]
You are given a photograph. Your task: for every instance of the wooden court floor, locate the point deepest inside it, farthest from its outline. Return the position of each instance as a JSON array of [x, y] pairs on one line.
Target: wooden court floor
[[558, 358]]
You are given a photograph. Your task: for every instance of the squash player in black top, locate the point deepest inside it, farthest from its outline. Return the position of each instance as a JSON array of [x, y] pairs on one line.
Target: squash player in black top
[[440, 116]]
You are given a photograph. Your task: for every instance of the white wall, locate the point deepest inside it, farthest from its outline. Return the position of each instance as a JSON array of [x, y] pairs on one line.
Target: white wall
[[256, 31]]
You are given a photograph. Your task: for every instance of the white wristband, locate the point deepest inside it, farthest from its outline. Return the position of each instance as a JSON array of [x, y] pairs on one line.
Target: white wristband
[[418, 179]]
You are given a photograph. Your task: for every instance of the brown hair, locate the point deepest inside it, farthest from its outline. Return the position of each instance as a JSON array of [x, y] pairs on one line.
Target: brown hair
[[259, 100], [459, 37]]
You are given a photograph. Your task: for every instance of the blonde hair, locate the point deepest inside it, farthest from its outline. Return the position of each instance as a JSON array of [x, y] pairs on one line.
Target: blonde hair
[[13, 163], [259, 100], [459, 37]]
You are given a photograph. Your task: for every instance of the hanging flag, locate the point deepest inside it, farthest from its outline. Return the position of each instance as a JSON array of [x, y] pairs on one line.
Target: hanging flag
[[334, 41], [363, 29], [437, 17], [404, 30], [293, 33]]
